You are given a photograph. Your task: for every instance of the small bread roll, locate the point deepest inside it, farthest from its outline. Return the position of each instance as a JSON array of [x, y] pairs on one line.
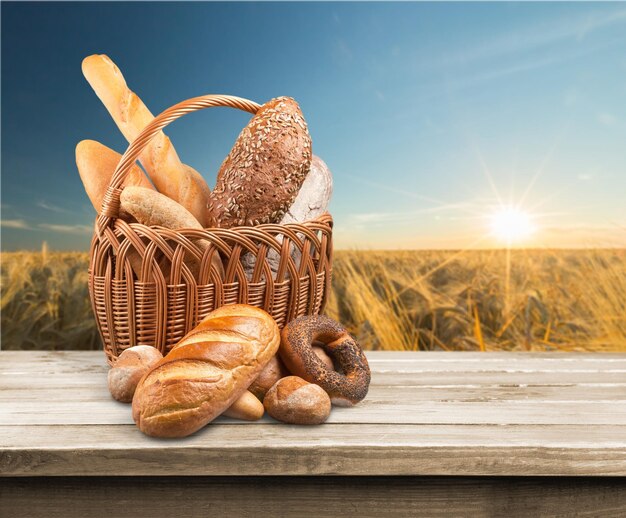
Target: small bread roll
[[272, 372], [247, 407], [131, 365], [293, 400]]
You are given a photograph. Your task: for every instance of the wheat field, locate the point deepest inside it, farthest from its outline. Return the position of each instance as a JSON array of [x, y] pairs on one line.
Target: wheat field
[[522, 300]]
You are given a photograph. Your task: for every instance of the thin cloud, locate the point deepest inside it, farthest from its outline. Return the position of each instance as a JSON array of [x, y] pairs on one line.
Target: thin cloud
[[51, 207], [398, 217], [537, 36], [16, 223], [67, 229]]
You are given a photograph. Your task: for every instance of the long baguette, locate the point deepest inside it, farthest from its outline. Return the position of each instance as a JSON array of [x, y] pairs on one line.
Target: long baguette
[[176, 180]]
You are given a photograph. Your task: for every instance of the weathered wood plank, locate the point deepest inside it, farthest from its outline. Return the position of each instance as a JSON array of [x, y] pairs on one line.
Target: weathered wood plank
[[451, 393], [497, 414], [321, 450], [70, 361], [370, 411], [260, 497]]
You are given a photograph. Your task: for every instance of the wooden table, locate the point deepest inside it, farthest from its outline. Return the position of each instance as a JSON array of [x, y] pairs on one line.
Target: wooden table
[[439, 433]]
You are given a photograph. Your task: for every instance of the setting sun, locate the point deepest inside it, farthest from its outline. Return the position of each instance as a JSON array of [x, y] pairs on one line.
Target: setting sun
[[511, 225]]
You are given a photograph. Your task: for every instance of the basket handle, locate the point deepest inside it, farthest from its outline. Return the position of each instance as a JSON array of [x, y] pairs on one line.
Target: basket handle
[[111, 200]]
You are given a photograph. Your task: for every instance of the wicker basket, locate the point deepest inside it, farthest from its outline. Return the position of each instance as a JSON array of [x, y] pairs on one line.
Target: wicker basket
[[164, 301]]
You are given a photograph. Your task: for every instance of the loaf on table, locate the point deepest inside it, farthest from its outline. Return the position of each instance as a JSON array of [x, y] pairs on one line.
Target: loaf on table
[[176, 180], [261, 176], [206, 372], [129, 368]]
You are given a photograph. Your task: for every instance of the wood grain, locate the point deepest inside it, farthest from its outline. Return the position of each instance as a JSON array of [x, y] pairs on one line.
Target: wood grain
[[323, 450], [504, 414], [278, 497]]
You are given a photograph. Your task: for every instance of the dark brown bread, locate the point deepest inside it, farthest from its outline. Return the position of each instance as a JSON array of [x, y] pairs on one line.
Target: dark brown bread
[[345, 388], [294, 400], [206, 372], [261, 176]]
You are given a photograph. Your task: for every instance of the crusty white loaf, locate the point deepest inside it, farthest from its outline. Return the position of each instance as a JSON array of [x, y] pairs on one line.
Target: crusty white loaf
[[206, 372], [312, 201]]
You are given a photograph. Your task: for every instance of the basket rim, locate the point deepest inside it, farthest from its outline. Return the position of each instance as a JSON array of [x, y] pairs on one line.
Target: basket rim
[[324, 219]]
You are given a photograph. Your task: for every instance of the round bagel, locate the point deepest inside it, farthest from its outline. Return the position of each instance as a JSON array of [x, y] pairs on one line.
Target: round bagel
[[345, 388]]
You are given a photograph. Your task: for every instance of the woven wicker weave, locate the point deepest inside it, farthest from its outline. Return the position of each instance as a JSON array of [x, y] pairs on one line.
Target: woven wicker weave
[[164, 301]]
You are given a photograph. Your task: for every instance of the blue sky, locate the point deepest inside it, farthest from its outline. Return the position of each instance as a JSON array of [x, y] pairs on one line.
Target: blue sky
[[429, 115]]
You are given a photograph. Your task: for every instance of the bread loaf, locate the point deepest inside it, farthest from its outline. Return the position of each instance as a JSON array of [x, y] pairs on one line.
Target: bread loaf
[[262, 174], [152, 208], [273, 371], [96, 164], [129, 368], [296, 401], [314, 195], [178, 181], [206, 372], [311, 202]]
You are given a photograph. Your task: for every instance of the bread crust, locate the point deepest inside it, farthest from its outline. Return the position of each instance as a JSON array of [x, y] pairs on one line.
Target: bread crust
[[296, 401], [176, 180], [345, 388], [273, 371], [96, 164], [129, 368], [206, 372], [261, 176], [152, 208]]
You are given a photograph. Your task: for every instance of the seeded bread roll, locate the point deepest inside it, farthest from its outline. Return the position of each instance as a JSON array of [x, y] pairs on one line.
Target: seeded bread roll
[[261, 176], [296, 401]]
